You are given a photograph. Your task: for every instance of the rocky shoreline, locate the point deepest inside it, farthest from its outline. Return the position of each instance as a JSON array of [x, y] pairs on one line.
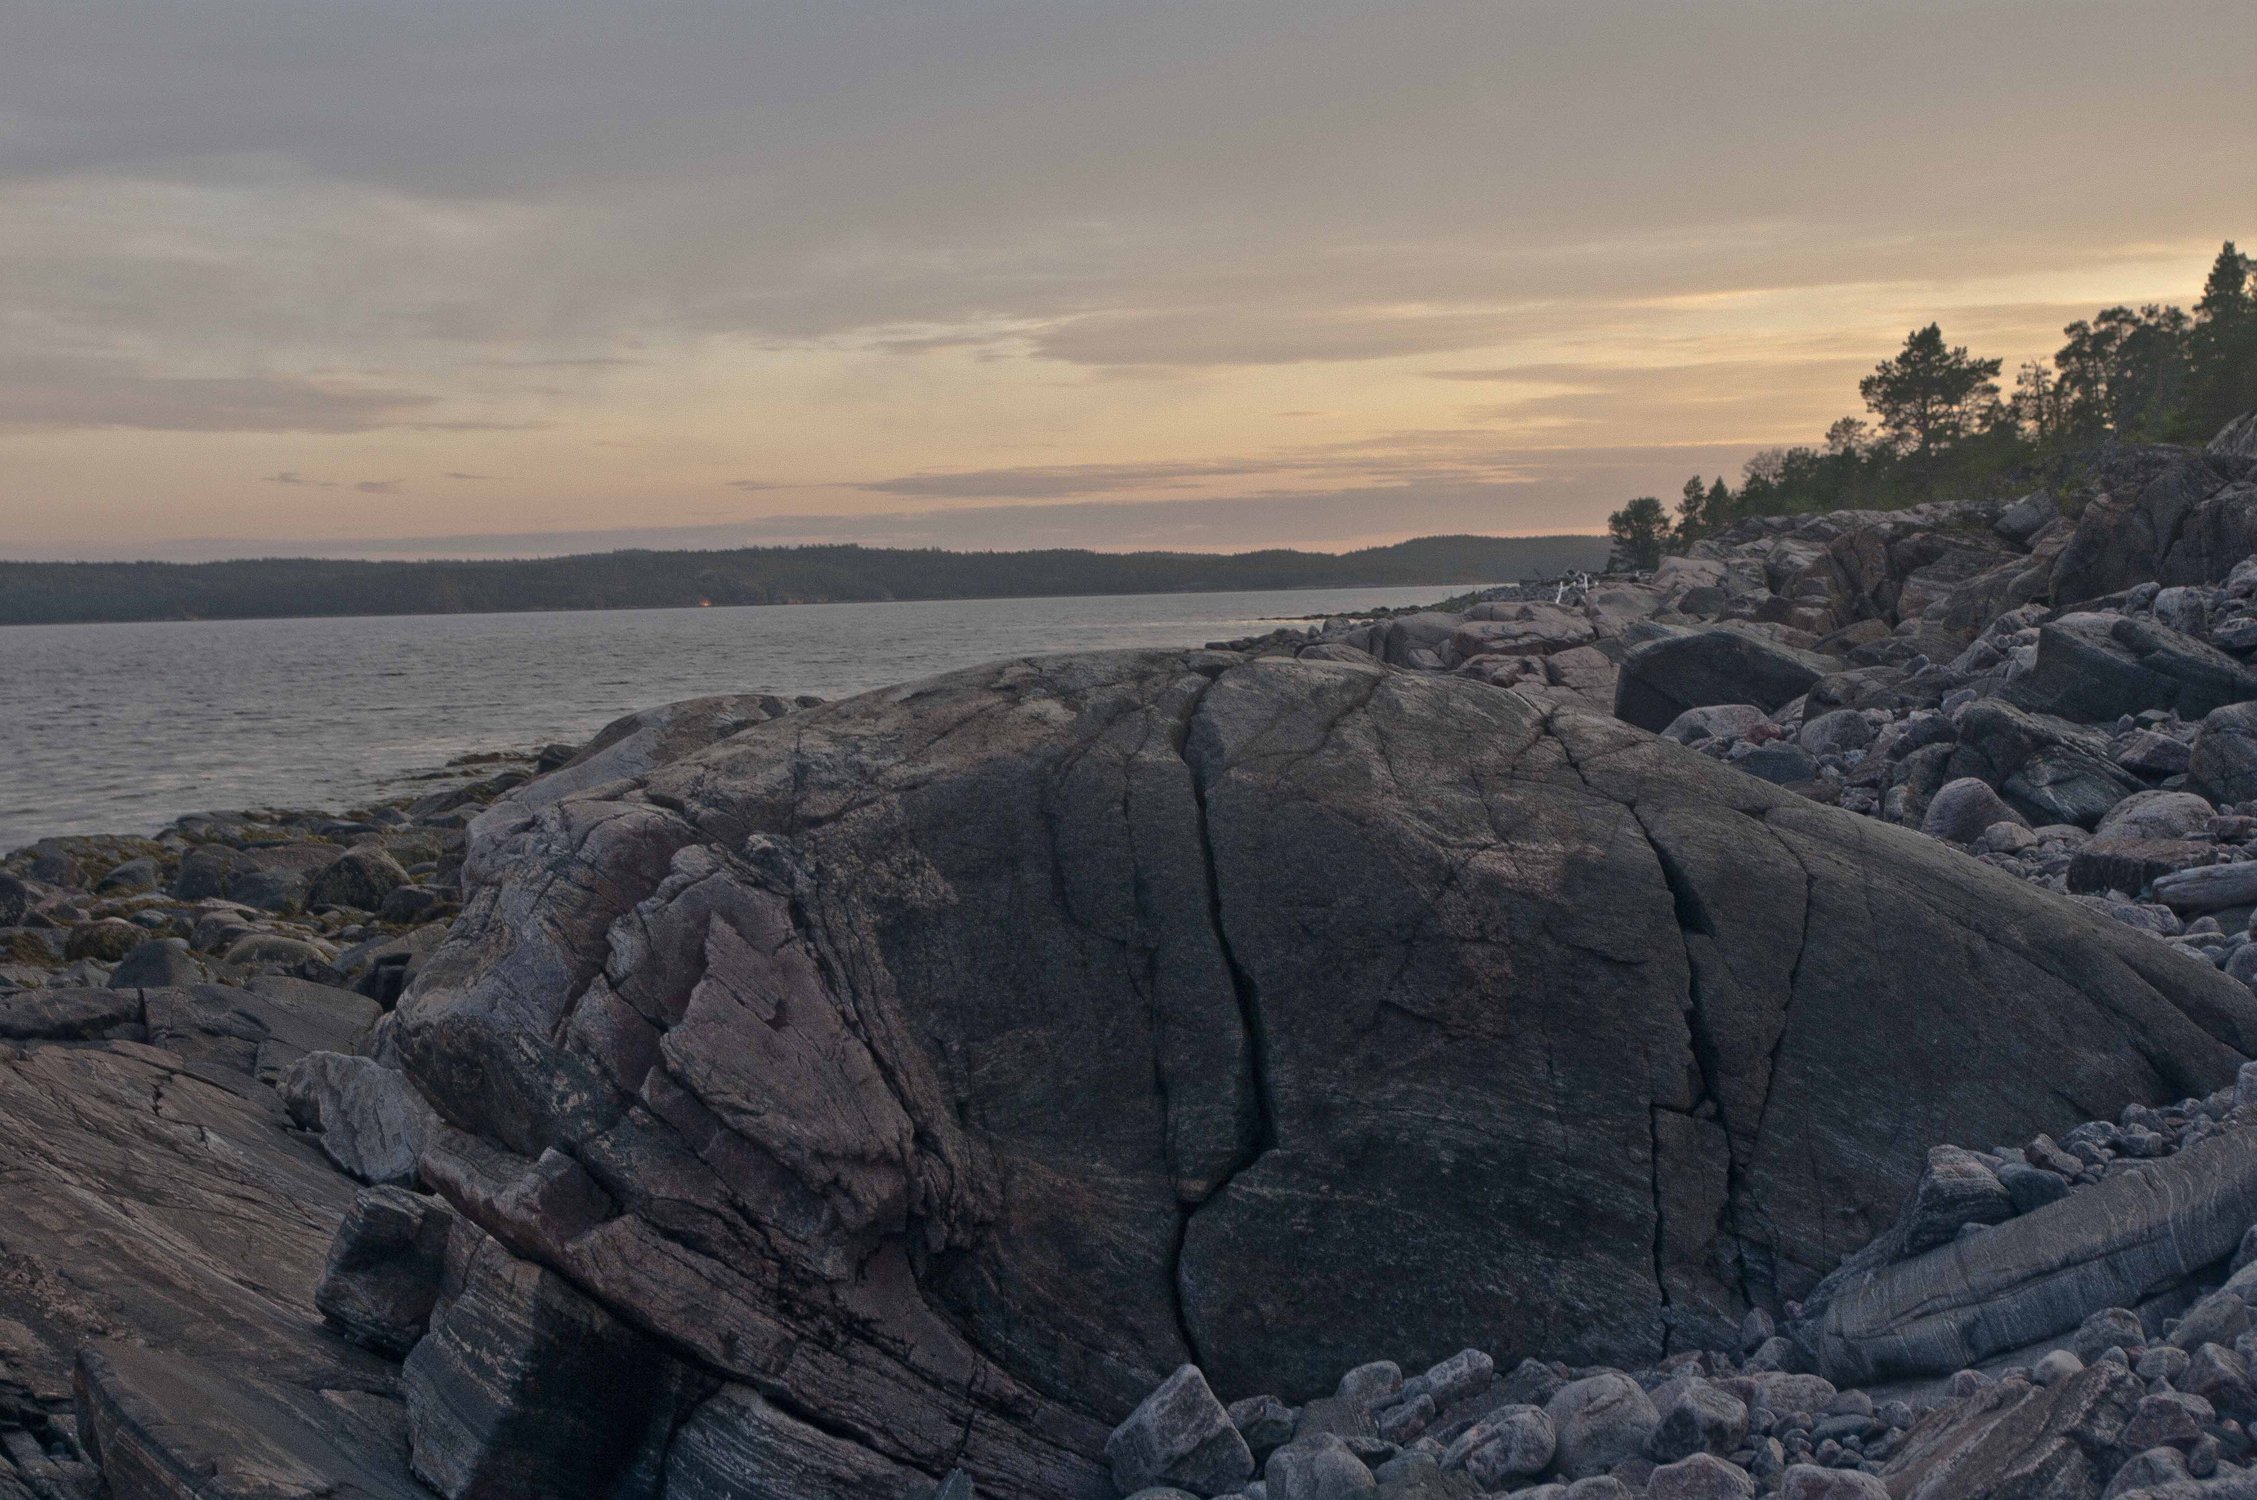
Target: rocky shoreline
[[1146, 1074]]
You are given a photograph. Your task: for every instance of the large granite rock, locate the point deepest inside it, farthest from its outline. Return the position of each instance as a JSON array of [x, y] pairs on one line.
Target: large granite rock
[[2095, 667], [1663, 678], [948, 1064], [2118, 1243], [161, 1232], [2162, 514]]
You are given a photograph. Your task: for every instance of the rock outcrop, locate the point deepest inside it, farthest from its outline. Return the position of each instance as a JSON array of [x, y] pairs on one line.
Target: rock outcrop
[[948, 1065]]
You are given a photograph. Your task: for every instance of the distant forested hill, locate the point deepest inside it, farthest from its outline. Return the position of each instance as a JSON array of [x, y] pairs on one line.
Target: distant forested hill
[[266, 588]]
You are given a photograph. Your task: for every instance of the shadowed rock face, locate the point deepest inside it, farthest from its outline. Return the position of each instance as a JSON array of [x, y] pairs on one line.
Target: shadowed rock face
[[950, 1063]]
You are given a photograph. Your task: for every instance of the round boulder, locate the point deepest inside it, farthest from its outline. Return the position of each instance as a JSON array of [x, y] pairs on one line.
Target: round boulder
[[1962, 809], [361, 879], [2156, 815], [1600, 1421], [2224, 764], [962, 1058]]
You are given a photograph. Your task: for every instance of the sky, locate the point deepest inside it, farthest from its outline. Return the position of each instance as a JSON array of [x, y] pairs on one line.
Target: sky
[[496, 277]]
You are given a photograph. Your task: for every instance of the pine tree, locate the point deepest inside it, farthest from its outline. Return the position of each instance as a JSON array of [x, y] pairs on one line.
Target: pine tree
[[1638, 529], [1931, 395], [2221, 349], [1692, 507]]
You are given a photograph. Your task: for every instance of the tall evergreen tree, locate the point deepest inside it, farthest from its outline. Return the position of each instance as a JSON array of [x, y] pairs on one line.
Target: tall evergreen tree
[[1931, 395], [2221, 349], [1692, 511], [1638, 529]]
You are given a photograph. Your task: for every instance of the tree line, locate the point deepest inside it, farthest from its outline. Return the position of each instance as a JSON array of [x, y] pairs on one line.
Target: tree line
[[273, 588], [1938, 422]]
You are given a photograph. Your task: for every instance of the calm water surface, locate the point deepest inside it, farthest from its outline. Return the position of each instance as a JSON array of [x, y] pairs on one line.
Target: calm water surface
[[121, 728]]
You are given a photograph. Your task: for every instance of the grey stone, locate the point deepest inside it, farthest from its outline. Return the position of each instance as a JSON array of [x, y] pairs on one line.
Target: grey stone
[[2156, 815], [2154, 1468], [1726, 721], [1369, 1384], [1465, 1373], [1318, 1468], [2223, 763], [384, 1269], [1956, 1189], [2109, 1328], [1833, 733], [2031, 1188], [1699, 1477], [1781, 765], [2094, 668], [2217, 1319], [1696, 1417], [131, 878], [1663, 678], [2039, 1275], [1514, 1442], [160, 963], [1600, 1421], [1962, 809], [2168, 1418], [2208, 887], [523, 1386], [1811, 1482], [373, 1123], [2015, 1438], [765, 995], [70, 1015], [360, 879], [1265, 1422], [1179, 1435]]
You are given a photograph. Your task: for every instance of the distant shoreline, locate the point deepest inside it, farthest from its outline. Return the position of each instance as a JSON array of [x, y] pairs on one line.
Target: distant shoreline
[[90, 593]]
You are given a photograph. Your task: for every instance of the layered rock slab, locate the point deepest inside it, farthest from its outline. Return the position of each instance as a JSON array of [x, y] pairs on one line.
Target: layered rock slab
[[947, 1064]]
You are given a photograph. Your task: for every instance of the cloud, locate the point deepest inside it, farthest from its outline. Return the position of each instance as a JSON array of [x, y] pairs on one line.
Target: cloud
[[1058, 480], [65, 394], [291, 476], [379, 486], [754, 486], [456, 474]]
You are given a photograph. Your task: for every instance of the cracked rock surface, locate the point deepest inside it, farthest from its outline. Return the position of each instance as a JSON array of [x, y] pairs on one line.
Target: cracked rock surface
[[935, 1071]]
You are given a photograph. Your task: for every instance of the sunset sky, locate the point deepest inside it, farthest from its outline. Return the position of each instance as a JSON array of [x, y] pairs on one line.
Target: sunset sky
[[431, 277]]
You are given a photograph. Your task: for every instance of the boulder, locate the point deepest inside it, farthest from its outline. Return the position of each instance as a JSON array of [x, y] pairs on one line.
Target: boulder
[[163, 1233], [1697, 1417], [1960, 811], [2095, 668], [160, 963], [106, 939], [2208, 887], [1179, 1435], [1600, 1420], [2128, 864], [1700, 1477], [2015, 1438], [2156, 815], [360, 879], [2237, 439], [2047, 769], [2161, 514], [1663, 678], [525, 1387], [2223, 765], [2039, 1275], [373, 1124], [958, 1060], [1726, 721], [384, 1270], [1317, 1468], [70, 1015]]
